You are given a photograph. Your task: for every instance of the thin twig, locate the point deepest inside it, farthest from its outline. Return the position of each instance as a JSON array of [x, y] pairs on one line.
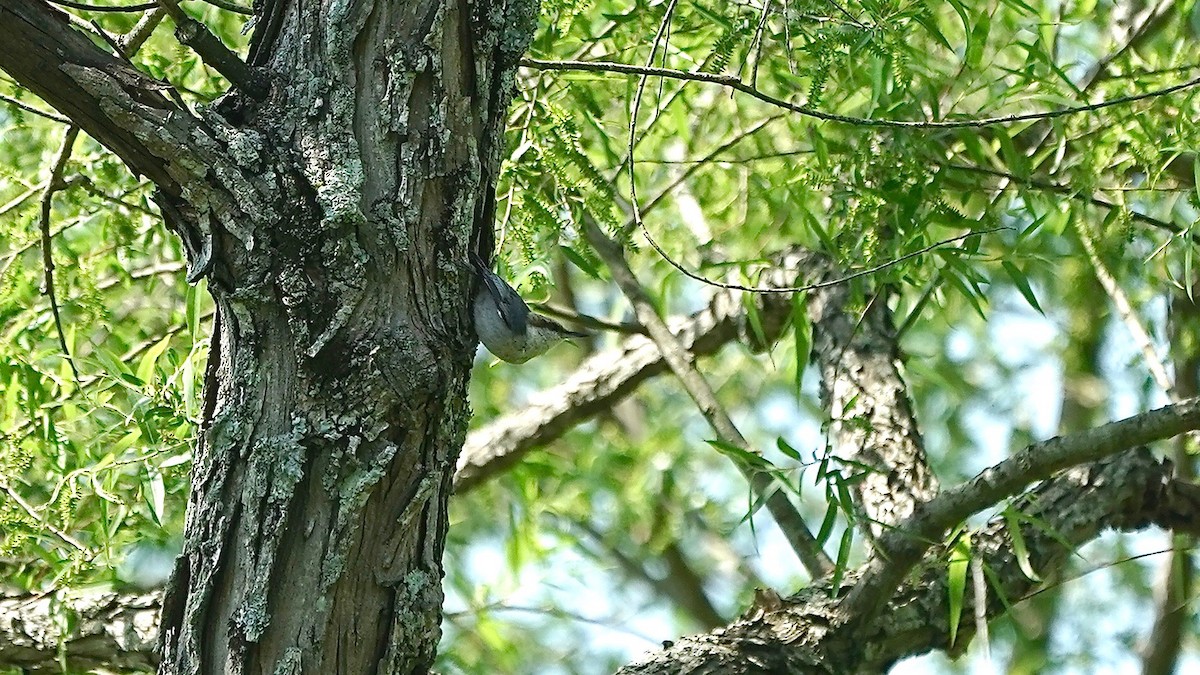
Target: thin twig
[[1128, 316], [738, 85], [28, 108], [756, 44], [822, 284], [1068, 191], [588, 321], [27, 508], [55, 184], [104, 8], [230, 7]]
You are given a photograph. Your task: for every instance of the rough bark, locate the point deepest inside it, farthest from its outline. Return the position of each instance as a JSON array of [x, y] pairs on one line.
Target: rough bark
[[872, 422], [333, 219], [107, 630]]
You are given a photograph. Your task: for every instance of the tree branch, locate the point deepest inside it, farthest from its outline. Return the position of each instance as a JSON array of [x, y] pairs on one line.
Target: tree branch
[[55, 184], [682, 364], [93, 629], [867, 399], [214, 52], [796, 634], [748, 89], [901, 548], [803, 633], [107, 97]]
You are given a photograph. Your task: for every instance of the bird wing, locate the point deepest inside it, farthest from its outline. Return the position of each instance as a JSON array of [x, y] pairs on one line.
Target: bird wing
[[513, 309]]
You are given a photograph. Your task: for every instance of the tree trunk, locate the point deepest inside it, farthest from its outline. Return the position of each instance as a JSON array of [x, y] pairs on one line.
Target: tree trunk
[[332, 211], [337, 381]]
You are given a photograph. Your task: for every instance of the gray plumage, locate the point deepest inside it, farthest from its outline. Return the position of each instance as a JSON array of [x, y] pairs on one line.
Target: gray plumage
[[505, 324]]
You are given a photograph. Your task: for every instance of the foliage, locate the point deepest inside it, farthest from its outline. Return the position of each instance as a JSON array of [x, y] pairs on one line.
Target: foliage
[[1001, 331]]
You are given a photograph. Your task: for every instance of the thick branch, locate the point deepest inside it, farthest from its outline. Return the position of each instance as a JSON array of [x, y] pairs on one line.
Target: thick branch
[[802, 633], [873, 422], [901, 548], [107, 97], [109, 630]]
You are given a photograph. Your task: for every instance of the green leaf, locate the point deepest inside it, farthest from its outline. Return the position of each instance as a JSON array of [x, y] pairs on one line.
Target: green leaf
[[827, 522], [802, 334], [581, 261], [157, 494], [1196, 159], [1013, 158], [1020, 550], [956, 581], [145, 371], [1021, 281], [742, 456], [788, 450], [978, 39], [754, 318], [843, 557]]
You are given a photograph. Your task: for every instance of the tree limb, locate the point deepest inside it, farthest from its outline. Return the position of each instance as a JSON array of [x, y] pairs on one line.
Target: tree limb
[[803, 633], [901, 548], [867, 399], [107, 629], [107, 97], [797, 634], [214, 52]]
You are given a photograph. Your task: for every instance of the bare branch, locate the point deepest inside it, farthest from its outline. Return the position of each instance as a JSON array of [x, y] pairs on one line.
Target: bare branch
[[28, 108], [104, 8], [214, 52], [92, 628], [54, 184]]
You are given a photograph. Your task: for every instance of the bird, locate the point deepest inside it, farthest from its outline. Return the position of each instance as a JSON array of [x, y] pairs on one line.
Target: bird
[[506, 325]]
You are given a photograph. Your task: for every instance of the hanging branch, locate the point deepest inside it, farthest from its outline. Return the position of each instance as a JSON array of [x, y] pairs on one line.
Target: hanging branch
[[790, 522], [55, 184], [738, 85]]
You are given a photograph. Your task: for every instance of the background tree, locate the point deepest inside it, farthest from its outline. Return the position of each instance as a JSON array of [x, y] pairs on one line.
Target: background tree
[[978, 216]]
